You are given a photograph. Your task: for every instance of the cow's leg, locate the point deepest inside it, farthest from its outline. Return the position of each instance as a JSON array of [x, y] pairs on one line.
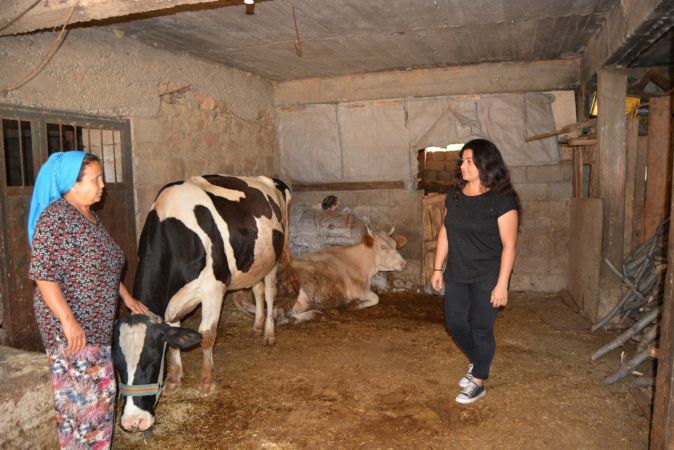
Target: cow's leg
[[269, 295], [369, 299], [211, 305], [258, 293], [174, 371], [300, 309], [181, 304]]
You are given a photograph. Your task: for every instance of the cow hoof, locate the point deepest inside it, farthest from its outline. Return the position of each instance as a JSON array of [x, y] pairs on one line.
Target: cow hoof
[[170, 386], [269, 340], [206, 388]]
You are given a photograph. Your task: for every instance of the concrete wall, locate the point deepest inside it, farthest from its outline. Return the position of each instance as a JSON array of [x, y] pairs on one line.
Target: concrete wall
[[222, 122], [542, 249]]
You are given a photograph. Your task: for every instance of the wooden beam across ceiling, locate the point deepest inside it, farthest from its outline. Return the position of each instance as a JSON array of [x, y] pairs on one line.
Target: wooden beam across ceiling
[[23, 16], [629, 29]]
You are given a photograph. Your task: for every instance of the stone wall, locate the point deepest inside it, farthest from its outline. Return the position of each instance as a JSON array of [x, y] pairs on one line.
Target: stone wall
[[218, 119], [27, 420]]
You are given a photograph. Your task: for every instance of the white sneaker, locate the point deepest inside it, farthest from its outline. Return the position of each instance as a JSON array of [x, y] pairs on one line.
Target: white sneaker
[[467, 378], [471, 393]]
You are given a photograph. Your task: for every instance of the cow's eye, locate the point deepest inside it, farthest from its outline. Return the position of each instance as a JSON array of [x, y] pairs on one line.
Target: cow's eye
[[383, 247]]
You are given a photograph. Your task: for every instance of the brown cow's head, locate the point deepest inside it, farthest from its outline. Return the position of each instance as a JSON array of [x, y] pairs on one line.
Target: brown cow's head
[[385, 246]]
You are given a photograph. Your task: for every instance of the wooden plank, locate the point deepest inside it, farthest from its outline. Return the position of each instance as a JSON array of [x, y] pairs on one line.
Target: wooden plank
[[639, 193], [577, 173], [659, 161], [662, 424], [610, 168], [569, 301], [22, 16], [630, 178], [582, 141], [564, 129], [585, 254], [348, 186]]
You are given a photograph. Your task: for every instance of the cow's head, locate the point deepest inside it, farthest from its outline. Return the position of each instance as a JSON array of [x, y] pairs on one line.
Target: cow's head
[[385, 246], [139, 345]]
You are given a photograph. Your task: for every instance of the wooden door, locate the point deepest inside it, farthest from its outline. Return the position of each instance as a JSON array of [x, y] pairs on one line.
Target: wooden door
[[27, 137]]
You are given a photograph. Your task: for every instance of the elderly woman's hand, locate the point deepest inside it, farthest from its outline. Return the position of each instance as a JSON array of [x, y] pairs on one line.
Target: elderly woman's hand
[[74, 334], [135, 306]]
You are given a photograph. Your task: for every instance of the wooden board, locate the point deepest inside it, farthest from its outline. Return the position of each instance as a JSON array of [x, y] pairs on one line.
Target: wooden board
[[349, 186], [658, 184], [639, 193], [662, 425], [585, 254], [630, 179]]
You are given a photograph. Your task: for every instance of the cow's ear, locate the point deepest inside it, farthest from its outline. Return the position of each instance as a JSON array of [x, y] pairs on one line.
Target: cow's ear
[[182, 337], [400, 240]]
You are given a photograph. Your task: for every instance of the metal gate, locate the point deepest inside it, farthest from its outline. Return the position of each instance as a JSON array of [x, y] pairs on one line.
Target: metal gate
[[27, 137]]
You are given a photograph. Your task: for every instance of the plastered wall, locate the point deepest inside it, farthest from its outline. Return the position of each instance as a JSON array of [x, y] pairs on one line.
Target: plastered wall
[[221, 121]]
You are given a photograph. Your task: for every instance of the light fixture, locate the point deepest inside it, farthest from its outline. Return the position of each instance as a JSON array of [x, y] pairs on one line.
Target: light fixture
[[250, 6]]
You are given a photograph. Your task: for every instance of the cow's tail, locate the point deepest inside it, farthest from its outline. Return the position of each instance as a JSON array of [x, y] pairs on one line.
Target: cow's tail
[[287, 281], [286, 257]]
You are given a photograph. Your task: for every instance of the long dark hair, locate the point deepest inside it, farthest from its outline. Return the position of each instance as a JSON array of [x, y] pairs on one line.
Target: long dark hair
[[88, 159], [494, 174]]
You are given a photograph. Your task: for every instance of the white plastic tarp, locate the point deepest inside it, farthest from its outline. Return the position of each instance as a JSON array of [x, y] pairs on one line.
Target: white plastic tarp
[[309, 143], [442, 120], [374, 141], [508, 119]]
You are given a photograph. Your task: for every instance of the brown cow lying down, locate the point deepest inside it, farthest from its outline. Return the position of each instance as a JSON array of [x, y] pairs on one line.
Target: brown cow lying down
[[337, 276]]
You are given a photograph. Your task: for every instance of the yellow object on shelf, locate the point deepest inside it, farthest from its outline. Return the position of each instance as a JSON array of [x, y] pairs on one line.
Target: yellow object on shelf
[[631, 106]]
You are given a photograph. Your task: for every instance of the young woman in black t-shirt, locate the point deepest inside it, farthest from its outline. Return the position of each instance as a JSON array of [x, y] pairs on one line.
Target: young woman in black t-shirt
[[478, 240]]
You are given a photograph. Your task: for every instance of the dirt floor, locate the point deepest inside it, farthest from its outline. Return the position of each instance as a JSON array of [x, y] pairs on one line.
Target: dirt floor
[[385, 378]]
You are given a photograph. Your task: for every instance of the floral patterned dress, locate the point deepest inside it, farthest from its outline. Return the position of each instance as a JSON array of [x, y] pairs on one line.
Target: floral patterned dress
[[86, 263]]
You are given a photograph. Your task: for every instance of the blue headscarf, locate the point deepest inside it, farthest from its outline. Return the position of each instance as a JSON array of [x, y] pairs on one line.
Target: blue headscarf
[[55, 178]]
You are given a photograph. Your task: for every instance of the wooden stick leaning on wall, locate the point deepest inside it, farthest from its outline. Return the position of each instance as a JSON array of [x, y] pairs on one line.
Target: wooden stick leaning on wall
[[564, 129]]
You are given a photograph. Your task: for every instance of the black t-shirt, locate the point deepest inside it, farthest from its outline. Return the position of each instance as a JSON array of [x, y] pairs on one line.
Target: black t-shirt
[[475, 245]]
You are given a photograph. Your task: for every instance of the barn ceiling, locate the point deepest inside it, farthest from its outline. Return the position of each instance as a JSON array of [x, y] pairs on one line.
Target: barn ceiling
[[338, 37], [296, 39]]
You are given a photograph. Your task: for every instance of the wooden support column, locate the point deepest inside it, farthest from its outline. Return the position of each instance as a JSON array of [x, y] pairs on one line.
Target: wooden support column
[[662, 423], [659, 161], [611, 144], [639, 192], [632, 149]]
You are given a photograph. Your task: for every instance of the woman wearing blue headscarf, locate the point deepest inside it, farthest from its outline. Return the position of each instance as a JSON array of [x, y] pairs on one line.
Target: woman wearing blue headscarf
[[77, 268]]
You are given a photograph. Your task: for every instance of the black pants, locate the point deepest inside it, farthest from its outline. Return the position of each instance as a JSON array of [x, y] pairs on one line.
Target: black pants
[[469, 317]]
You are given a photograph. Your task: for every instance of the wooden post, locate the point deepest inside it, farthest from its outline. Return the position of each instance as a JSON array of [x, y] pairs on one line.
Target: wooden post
[[659, 162], [639, 193], [630, 181], [662, 424], [611, 140]]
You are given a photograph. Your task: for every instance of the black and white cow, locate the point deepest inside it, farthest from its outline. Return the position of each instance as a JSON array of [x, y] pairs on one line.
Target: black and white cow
[[202, 237], [139, 346]]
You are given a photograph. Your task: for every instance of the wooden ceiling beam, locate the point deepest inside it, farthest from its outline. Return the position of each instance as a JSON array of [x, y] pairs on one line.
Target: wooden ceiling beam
[[23, 16], [629, 29]]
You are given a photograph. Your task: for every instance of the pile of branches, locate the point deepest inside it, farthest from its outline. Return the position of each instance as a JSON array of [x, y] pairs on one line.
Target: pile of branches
[[639, 309]]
